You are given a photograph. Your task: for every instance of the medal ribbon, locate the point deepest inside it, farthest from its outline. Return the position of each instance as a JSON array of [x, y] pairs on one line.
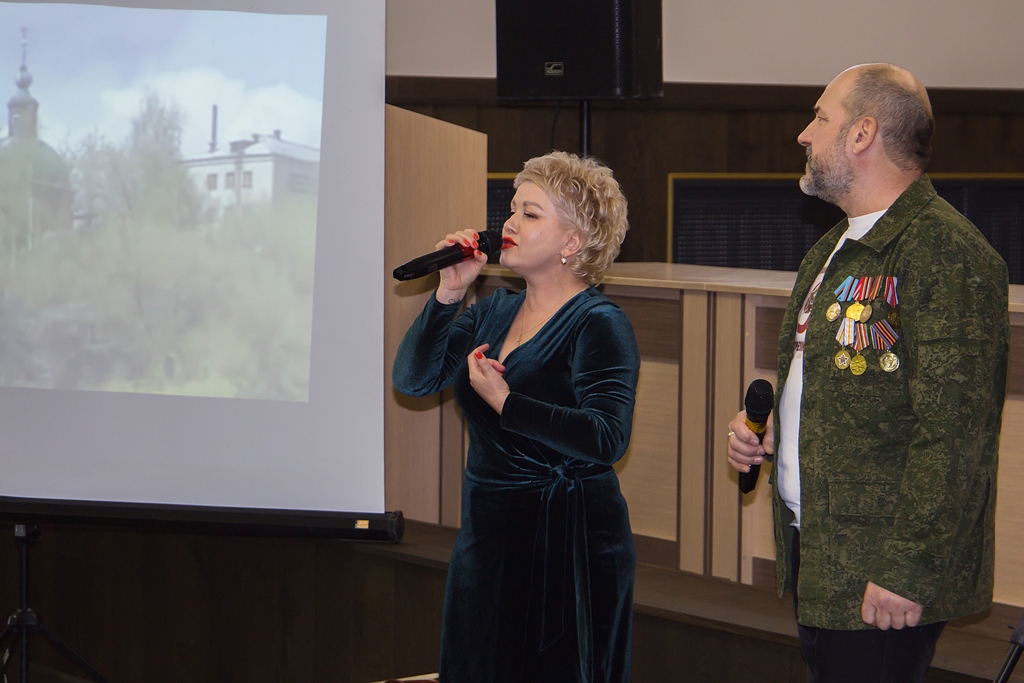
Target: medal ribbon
[[891, 296], [886, 333], [876, 341], [846, 333], [843, 290], [861, 340], [876, 285], [858, 289]]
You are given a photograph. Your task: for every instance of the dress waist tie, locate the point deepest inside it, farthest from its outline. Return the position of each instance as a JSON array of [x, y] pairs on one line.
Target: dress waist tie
[[564, 525]]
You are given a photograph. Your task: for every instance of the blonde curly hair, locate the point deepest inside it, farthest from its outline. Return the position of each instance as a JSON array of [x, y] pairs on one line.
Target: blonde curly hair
[[587, 197]]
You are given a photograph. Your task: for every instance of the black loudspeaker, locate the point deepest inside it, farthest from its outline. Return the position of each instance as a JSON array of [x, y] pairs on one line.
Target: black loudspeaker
[[578, 49]]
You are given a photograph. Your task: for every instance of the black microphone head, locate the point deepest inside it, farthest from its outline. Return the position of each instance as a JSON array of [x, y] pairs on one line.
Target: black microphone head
[[760, 400], [489, 243]]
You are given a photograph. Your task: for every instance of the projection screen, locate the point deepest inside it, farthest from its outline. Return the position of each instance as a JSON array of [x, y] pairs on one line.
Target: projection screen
[[191, 253]]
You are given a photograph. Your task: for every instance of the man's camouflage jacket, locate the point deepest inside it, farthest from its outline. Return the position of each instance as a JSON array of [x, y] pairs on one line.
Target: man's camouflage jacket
[[898, 466]]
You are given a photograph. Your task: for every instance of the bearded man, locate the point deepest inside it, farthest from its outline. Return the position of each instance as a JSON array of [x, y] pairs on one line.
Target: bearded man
[[892, 373]]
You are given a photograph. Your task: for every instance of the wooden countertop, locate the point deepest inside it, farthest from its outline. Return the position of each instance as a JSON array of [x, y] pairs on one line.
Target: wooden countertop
[[712, 279]]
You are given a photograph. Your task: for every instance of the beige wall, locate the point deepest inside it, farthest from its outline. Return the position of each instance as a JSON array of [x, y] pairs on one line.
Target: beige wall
[[948, 43]]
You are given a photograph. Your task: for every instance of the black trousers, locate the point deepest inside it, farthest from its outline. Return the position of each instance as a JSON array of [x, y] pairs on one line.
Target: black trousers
[[868, 656]]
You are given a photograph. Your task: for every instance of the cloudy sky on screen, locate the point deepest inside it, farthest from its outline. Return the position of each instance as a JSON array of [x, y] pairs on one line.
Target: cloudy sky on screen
[[93, 65]]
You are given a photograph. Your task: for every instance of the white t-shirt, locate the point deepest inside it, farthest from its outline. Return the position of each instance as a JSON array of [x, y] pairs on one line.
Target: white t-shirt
[[788, 458]]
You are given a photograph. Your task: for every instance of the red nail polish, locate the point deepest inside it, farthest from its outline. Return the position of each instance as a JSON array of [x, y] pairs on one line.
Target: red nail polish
[[479, 355]]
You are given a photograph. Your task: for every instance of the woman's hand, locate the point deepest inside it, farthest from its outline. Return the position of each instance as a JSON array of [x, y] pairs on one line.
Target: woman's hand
[[485, 378], [455, 280]]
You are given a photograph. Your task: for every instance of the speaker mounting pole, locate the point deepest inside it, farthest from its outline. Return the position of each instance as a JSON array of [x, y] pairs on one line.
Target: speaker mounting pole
[[585, 128]]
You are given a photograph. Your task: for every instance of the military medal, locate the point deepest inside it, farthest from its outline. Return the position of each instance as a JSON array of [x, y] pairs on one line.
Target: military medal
[[858, 364], [856, 332], [889, 361], [883, 336]]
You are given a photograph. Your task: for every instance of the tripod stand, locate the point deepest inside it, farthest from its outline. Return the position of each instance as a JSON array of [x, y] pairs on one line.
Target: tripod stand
[[1016, 647], [25, 621]]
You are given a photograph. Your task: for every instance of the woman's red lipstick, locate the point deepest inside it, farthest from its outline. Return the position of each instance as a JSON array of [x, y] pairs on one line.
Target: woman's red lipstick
[[507, 242]]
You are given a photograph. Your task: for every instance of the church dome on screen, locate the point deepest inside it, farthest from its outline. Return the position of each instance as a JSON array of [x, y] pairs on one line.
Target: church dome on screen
[[35, 186]]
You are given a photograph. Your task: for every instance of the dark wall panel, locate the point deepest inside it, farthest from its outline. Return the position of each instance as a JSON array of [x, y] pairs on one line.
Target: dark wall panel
[[672, 651], [701, 128], [188, 607]]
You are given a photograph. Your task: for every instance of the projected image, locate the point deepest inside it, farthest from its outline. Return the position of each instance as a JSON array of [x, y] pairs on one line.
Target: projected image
[[158, 190]]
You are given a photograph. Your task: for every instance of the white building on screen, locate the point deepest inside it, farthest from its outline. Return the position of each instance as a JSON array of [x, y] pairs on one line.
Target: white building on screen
[[264, 168]]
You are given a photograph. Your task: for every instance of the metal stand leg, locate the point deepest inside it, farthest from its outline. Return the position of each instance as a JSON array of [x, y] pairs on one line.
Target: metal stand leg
[[72, 656], [8, 631], [25, 621], [1016, 647], [585, 128]]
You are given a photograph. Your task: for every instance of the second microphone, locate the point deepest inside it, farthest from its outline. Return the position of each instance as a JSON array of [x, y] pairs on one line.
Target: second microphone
[[759, 401]]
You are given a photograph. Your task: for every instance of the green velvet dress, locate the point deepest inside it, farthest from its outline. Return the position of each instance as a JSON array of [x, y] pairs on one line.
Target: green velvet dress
[[540, 585]]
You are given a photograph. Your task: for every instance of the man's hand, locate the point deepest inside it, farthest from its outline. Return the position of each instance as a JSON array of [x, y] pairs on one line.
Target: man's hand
[[744, 448], [884, 609]]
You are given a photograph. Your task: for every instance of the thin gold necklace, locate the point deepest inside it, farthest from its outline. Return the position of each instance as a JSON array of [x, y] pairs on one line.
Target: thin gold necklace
[[522, 333]]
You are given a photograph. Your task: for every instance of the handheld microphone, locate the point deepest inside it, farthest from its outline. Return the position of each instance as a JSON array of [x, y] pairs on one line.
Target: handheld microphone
[[759, 402], [489, 243]]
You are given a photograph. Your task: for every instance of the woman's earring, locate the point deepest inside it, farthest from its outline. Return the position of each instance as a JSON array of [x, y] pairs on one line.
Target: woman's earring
[[563, 260]]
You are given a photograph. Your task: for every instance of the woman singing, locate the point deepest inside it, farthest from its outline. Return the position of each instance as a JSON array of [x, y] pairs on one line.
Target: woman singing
[[540, 585]]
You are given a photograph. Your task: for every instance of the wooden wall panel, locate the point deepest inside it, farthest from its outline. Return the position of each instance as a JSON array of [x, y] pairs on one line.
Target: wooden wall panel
[[1009, 586], [1015, 373], [767, 324], [435, 178], [1010, 506], [648, 474], [209, 609], [642, 155], [701, 128], [656, 322], [693, 422], [977, 142], [757, 539], [163, 608], [728, 399], [666, 650], [454, 443], [648, 471]]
